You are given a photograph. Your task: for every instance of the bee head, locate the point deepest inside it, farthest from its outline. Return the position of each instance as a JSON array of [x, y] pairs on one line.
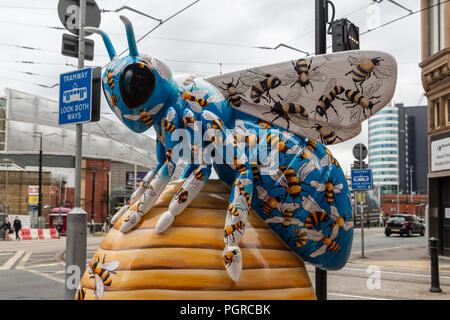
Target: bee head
[[137, 82], [376, 61]]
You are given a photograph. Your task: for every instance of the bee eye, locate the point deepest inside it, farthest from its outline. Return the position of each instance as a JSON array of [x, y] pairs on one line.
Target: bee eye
[[137, 83]]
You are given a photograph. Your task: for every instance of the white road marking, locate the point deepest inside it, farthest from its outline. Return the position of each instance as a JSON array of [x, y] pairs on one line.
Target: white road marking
[[11, 261], [6, 254], [44, 275], [399, 273], [352, 296], [24, 260]]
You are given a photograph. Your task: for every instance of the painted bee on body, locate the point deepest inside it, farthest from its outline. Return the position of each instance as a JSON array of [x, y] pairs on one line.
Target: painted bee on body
[[302, 236], [230, 256], [231, 229], [81, 294], [109, 79], [329, 188], [317, 215], [328, 243], [102, 274], [169, 126], [196, 100], [364, 67], [190, 80], [269, 203], [287, 218], [144, 116]]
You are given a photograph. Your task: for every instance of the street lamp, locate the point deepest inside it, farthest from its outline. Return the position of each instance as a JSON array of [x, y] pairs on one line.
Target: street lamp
[[40, 175]]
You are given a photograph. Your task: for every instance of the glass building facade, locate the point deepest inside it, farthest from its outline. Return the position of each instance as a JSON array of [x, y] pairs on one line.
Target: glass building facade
[[384, 149]]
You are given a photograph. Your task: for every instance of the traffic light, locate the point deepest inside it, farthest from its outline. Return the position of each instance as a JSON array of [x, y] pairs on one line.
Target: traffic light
[[345, 35]]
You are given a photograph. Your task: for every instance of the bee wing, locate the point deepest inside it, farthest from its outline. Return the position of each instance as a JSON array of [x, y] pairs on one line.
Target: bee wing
[[325, 161], [171, 115], [290, 78], [384, 72], [218, 97], [287, 136], [355, 58], [319, 186], [372, 88], [274, 220], [329, 86], [245, 182], [299, 120], [314, 235], [134, 117], [305, 170], [192, 184], [347, 225], [170, 168], [194, 106], [198, 93], [118, 112], [291, 206], [335, 232], [99, 287], [111, 266], [334, 213], [318, 76], [310, 205], [207, 115], [241, 129], [156, 109], [278, 176], [262, 193], [337, 188], [243, 160], [294, 150], [296, 222], [319, 252]]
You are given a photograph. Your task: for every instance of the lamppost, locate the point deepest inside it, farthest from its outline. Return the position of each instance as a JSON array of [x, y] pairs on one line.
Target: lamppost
[[40, 175]]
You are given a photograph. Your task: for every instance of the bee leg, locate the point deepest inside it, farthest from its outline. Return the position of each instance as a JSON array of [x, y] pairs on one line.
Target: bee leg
[[331, 105], [193, 186], [348, 72]]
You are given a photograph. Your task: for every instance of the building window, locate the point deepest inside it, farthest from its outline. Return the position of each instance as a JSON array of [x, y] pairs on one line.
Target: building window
[[435, 119], [436, 27], [2, 124]]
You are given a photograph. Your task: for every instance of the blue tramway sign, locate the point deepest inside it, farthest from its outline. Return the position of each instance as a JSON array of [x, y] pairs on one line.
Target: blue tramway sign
[[362, 179]]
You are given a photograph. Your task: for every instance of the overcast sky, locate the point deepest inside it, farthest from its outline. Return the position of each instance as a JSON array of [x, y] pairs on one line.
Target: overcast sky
[[207, 34]]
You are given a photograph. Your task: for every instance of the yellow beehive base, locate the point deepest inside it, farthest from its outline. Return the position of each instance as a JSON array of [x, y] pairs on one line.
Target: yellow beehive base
[[185, 262]]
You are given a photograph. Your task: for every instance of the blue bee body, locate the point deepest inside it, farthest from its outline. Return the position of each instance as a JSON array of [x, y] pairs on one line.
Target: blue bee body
[[142, 93]]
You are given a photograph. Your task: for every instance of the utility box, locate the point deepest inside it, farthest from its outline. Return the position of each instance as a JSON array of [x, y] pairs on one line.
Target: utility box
[[69, 47]]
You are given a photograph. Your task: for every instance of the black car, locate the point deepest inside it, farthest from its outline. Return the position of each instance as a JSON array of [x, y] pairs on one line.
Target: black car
[[404, 224]]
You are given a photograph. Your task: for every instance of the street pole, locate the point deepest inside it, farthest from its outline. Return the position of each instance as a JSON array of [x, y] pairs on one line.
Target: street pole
[[321, 48], [361, 205], [40, 179], [76, 241]]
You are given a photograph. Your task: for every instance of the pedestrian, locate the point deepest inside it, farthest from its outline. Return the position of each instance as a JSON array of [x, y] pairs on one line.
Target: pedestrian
[[6, 226], [17, 225], [59, 228]]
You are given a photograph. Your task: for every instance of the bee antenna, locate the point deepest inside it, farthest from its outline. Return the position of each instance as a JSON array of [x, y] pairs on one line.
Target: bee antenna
[[108, 44], [132, 47]]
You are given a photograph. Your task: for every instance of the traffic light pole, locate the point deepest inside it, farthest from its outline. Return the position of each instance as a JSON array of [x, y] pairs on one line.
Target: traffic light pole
[[361, 207], [76, 242], [321, 48]]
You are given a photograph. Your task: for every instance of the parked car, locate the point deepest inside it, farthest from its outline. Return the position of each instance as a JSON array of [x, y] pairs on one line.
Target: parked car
[[404, 224]]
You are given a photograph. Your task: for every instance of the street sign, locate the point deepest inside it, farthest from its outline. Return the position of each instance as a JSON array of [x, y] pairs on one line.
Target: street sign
[[69, 14], [69, 47], [76, 101], [360, 151], [361, 179]]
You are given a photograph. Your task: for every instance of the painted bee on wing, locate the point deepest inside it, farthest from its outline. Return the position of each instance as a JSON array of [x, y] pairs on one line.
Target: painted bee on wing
[[328, 243], [317, 215], [287, 218], [289, 110], [305, 74], [363, 68], [329, 188], [144, 116], [102, 274], [361, 103], [302, 236], [327, 134], [233, 92], [196, 100], [260, 84], [326, 100], [109, 78]]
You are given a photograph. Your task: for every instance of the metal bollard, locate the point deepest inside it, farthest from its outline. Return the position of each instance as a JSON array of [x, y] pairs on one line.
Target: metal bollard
[[434, 265], [321, 284]]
